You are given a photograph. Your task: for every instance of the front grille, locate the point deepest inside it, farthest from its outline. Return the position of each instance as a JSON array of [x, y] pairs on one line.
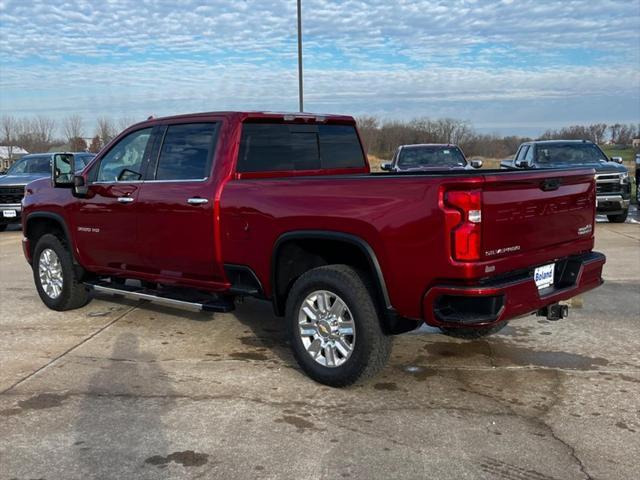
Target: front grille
[[608, 183], [608, 187], [11, 194]]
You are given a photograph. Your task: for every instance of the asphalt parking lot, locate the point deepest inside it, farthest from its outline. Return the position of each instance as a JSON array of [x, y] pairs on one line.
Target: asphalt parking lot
[[126, 390]]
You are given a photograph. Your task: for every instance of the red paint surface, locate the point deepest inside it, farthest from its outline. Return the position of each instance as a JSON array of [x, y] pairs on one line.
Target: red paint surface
[[159, 237]]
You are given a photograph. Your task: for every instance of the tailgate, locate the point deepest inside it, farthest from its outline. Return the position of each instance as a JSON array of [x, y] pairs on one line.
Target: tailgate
[[528, 211]]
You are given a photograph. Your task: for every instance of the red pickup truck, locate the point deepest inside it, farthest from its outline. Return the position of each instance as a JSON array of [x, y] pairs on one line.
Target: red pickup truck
[[196, 210]]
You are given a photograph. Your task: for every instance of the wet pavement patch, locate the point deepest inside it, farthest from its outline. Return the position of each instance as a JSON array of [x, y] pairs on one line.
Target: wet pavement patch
[[248, 356], [42, 401], [386, 386], [300, 423], [503, 352], [188, 458]]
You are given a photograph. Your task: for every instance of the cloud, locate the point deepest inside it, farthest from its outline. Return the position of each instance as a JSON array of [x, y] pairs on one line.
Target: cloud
[[455, 57]]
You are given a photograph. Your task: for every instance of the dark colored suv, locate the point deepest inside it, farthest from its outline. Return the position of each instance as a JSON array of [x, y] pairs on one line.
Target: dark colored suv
[[613, 185], [429, 156], [23, 171]]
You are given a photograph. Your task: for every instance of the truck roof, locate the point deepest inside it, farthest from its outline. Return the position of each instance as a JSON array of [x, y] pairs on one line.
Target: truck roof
[[543, 142], [418, 145], [244, 115]]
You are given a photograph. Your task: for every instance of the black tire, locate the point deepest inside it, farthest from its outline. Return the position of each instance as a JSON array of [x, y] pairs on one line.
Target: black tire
[[3, 226], [470, 333], [73, 293], [620, 218], [371, 348]]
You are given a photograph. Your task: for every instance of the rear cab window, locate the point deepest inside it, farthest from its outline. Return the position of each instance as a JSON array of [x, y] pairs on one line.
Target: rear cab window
[[283, 147]]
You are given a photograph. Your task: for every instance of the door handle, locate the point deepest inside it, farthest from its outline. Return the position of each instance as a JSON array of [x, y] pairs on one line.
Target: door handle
[[197, 201], [125, 199]]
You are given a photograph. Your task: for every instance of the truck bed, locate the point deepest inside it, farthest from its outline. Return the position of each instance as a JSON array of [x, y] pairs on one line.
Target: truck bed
[[402, 218]]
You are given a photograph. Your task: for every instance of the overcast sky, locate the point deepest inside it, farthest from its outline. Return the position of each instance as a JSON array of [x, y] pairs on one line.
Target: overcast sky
[[510, 66]]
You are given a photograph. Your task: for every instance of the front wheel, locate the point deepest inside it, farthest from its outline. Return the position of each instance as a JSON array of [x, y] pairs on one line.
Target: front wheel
[[55, 275], [620, 218], [334, 327]]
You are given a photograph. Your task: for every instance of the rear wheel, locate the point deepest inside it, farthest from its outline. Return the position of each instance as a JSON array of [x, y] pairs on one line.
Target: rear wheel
[[620, 218], [55, 276], [3, 227], [334, 327], [471, 333]]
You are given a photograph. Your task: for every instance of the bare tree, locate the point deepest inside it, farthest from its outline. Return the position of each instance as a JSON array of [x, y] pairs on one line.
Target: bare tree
[[625, 134], [126, 122], [8, 131], [106, 130], [597, 131], [614, 129], [72, 127]]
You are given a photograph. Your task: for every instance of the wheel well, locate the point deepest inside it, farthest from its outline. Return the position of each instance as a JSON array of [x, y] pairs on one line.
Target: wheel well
[[296, 256], [39, 226]]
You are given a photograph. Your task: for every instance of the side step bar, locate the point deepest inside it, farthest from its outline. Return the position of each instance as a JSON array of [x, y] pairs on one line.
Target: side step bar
[[168, 298]]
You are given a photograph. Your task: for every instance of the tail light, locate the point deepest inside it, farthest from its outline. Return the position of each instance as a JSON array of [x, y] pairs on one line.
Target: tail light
[[463, 210]]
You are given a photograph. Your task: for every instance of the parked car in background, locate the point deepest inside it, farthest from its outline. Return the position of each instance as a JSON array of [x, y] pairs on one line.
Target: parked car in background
[[195, 210], [429, 156], [613, 185], [23, 171]]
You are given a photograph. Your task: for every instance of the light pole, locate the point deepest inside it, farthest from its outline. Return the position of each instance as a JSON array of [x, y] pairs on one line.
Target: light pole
[[300, 87]]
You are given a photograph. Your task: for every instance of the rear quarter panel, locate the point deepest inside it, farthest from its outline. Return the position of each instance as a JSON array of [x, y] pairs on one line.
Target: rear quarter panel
[[398, 217]]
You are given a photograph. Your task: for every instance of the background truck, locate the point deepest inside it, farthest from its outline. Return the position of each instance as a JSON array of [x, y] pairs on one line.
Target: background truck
[[613, 185], [429, 156], [195, 210], [23, 171]]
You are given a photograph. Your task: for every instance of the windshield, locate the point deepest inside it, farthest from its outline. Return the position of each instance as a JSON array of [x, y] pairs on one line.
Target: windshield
[[577, 153], [82, 161], [31, 166], [431, 157]]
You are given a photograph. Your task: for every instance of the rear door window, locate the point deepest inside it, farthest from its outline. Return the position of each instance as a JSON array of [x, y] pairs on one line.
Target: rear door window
[[284, 147], [187, 151]]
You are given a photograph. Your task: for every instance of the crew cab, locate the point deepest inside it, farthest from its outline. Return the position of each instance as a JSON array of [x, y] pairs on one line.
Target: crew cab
[[197, 210], [429, 156], [613, 185], [23, 171]]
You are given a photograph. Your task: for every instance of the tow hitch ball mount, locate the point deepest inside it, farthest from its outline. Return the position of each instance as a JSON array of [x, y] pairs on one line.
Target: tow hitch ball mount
[[554, 312]]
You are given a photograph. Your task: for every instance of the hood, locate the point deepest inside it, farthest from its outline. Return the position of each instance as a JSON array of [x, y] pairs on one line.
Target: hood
[[610, 167], [22, 179], [599, 167]]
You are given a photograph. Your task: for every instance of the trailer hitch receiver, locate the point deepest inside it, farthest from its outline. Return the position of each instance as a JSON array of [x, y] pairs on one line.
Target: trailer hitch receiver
[[554, 312]]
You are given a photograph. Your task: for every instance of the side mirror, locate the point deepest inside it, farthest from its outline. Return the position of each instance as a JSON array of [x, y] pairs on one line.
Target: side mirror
[[616, 159], [476, 163], [80, 188], [386, 166], [522, 163], [62, 170]]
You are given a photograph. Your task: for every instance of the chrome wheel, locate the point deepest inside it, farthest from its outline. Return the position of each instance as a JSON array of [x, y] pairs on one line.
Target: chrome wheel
[[50, 273], [326, 328]]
